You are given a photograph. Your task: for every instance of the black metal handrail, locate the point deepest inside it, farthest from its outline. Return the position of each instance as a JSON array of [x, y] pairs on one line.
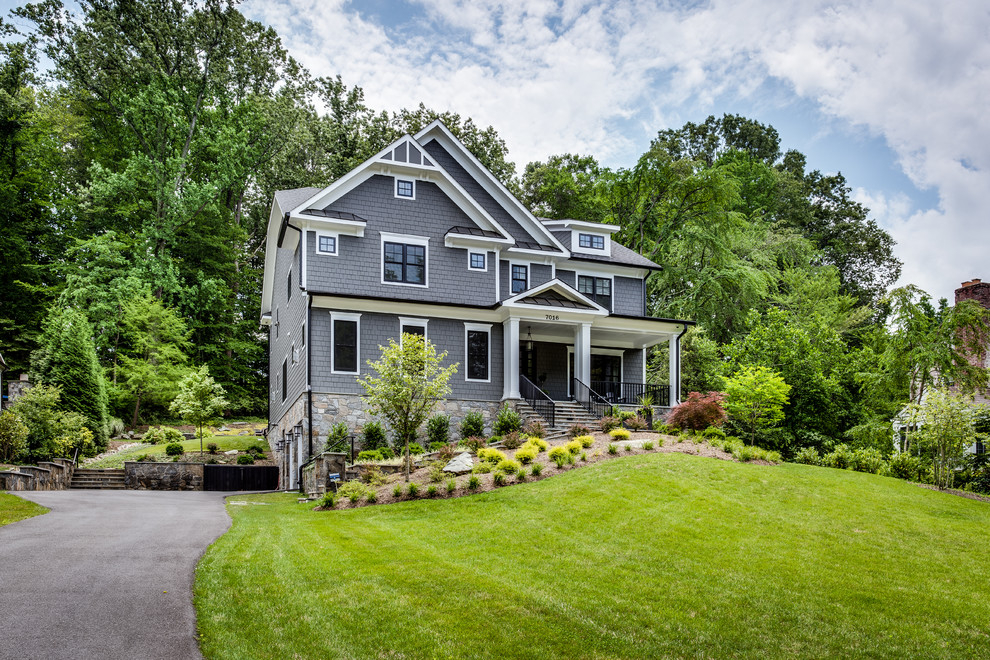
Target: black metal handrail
[[539, 400], [631, 393], [592, 401]]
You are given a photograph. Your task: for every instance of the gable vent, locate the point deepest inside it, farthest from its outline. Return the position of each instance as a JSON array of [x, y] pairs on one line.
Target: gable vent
[[406, 152]]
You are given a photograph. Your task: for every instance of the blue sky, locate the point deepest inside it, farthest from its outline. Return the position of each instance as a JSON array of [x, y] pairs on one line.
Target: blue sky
[[892, 93]]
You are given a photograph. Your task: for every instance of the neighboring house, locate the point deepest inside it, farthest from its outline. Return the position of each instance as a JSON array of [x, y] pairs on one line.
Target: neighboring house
[[421, 238]]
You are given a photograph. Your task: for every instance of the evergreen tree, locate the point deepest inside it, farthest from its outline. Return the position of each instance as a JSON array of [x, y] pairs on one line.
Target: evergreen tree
[[67, 359]]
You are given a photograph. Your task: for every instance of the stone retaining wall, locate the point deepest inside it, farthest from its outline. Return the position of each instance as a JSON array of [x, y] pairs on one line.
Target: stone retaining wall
[[163, 476], [47, 475], [316, 475]]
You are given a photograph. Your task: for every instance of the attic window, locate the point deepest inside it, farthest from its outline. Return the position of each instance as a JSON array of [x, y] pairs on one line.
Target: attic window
[[405, 188], [592, 241]]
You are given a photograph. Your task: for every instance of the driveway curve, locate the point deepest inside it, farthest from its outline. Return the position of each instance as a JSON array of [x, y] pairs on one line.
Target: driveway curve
[[105, 574]]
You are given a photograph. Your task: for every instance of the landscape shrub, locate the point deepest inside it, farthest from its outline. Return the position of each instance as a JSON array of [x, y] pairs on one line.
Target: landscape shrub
[[490, 455], [606, 424], [559, 455], [625, 416], [353, 490], [74, 435], [808, 456], [451, 486], [438, 430], [637, 423], [841, 458], [412, 489], [507, 421], [435, 446], [498, 478], [536, 469], [613, 449], [482, 468], [436, 472], [386, 452], [144, 458], [534, 428], [373, 476], [174, 449], [526, 454], [648, 446], [212, 448], [473, 482], [660, 427], [540, 444], [473, 425], [585, 440], [415, 449], [431, 490], [371, 497], [699, 411], [256, 449], [508, 466], [116, 427], [370, 455], [328, 501], [495, 440], [447, 451], [868, 460], [578, 429], [397, 491], [713, 432], [245, 459], [904, 466], [574, 447], [162, 435], [473, 442], [373, 436], [337, 436], [13, 437], [512, 441], [619, 434]]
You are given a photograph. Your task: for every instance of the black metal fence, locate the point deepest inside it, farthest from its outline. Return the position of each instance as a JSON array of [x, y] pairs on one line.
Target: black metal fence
[[591, 400], [631, 393], [240, 477], [539, 400]]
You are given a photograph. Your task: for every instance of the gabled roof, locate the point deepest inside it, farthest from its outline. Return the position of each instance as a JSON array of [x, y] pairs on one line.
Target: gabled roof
[[556, 293], [620, 255]]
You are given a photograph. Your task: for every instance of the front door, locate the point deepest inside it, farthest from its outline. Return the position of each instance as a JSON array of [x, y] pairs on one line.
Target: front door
[[606, 376]]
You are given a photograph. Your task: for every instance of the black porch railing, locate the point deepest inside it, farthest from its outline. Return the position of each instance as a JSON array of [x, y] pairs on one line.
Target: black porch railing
[[631, 393], [590, 399], [539, 400]]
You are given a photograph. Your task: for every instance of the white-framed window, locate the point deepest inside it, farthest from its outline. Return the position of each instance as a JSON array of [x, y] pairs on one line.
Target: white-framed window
[[412, 326], [591, 241], [345, 343], [477, 261], [478, 352], [518, 278], [326, 243], [405, 259], [405, 188], [598, 289]]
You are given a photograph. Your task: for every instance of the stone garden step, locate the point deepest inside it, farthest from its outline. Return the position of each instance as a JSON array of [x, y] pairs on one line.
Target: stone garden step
[[95, 479]]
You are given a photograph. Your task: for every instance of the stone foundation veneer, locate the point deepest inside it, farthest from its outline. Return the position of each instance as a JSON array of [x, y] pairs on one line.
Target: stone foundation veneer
[[163, 476], [47, 475]]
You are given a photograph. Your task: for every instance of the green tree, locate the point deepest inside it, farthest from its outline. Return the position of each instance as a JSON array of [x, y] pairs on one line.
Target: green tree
[[565, 186], [755, 398], [408, 380], [200, 400], [13, 437], [67, 359], [38, 409], [945, 424]]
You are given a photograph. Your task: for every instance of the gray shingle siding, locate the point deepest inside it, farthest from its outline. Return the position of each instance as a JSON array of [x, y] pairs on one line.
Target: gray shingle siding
[[480, 195], [357, 267], [290, 315], [632, 366], [568, 277], [628, 296], [376, 329]]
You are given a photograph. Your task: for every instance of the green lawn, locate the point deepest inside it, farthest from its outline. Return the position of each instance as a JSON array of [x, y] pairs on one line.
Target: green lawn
[[13, 508], [224, 442], [660, 555]]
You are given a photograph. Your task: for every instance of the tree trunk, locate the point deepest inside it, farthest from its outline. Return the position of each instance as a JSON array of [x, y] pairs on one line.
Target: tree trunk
[[137, 405]]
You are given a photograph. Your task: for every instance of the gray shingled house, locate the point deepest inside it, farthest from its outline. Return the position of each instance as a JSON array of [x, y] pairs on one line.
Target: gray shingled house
[[421, 238]]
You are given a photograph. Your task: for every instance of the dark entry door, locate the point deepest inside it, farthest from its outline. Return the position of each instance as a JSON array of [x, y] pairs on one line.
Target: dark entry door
[[606, 376]]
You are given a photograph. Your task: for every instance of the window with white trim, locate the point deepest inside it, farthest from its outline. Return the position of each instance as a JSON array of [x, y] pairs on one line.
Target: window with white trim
[[403, 263], [477, 261], [405, 188], [477, 351], [345, 333], [598, 289], [520, 278], [326, 244], [408, 326], [591, 241]]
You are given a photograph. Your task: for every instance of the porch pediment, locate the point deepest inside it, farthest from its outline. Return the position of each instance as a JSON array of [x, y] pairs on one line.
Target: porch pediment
[[558, 295]]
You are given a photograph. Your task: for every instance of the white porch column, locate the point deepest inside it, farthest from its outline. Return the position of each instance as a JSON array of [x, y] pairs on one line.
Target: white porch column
[[674, 377], [510, 359], [582, 353]]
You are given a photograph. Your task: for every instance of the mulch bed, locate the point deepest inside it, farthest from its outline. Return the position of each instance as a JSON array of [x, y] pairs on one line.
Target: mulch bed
[[952, 491], [596, 453]]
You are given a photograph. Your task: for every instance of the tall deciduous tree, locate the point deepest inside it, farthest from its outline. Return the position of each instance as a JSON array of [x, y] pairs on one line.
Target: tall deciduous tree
[[67, 359], [200, 400], [408, 380], [755, 398], [945, 427]]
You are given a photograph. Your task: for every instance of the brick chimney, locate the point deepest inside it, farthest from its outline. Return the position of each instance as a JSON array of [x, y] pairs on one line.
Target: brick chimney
[[974, 289]]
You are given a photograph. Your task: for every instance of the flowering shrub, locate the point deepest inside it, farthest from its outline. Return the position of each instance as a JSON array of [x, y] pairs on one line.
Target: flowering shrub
[[699, 411]]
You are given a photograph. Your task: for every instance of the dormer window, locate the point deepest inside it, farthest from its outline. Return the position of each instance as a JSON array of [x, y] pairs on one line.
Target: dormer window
[[591, 241], [405, 188]]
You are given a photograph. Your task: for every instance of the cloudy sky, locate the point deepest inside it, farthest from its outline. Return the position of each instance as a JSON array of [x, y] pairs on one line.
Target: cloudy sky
[[892, 93]]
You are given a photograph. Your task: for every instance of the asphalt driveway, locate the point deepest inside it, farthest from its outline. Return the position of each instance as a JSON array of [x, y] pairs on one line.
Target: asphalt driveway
[[106, 574]]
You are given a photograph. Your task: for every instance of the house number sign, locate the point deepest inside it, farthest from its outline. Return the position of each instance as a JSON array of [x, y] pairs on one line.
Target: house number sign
[[553, 317]]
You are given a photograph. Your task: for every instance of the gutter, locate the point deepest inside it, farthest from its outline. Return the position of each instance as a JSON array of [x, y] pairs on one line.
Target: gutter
[[309, 373]]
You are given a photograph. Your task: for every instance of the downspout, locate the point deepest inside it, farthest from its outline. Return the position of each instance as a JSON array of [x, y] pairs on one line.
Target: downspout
[[677, 346], [309, 372]]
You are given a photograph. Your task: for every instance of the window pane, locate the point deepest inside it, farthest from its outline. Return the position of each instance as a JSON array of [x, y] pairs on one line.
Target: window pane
[[328, 244], [598, 242], [393, 253], [345, 346], [518, 279], [393, 272], [477, 357], [586, 285], [584, 240], [414, 330], [604, 287], [416, 254], [477, 261], [416, 274], [604, 301], [405, 188]]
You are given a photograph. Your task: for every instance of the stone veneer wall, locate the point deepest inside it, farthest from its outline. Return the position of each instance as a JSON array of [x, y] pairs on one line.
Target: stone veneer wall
[[47, 475], [163, 476], [316, 475]]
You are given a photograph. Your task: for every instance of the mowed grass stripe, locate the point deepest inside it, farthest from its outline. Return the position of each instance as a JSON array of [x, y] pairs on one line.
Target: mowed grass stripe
[[647, 556]]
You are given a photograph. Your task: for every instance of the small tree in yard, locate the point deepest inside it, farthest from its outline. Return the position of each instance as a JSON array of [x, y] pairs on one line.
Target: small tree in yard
[[200, 400], [410, 380], [755, 398], [13, 436], [699, 411], [946, 426]]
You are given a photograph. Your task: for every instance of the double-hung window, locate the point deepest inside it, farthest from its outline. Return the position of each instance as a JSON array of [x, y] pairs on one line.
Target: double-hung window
[[404, 263], [598, 289], [344, 337], [477, 349], [520, 278], [592, 241]]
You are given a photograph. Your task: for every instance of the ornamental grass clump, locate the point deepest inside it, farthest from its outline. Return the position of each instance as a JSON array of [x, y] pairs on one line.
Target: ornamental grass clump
[[648, 446], [431, 490], [574, 447], [526, 454], [451, 486], [520, 475], [536, 469], [473, 482], [561, 456], [397, 491], [619, 434], [613, 450], [508, 466], [490, 455], [353, 490], [328, 501], [585, 440], [412, 489], [498, 478]]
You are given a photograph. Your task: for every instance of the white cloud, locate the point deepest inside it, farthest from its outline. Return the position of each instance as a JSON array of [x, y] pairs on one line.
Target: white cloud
[[556, 76]]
